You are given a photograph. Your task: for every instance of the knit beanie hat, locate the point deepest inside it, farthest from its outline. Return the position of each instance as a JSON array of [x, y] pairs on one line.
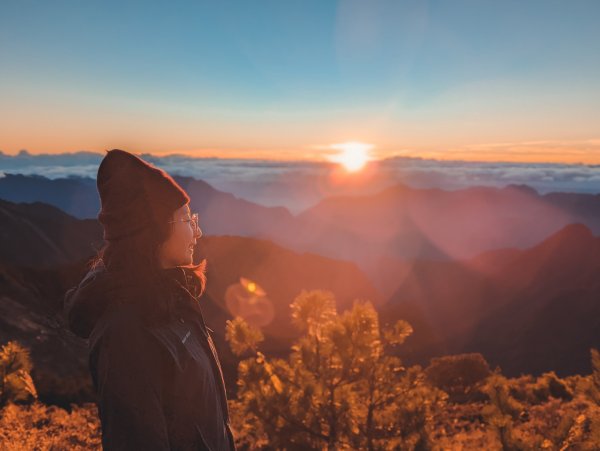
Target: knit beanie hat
[[134, 194]]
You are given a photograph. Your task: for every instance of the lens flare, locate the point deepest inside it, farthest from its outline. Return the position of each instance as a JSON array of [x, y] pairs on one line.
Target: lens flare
[[250, 301]]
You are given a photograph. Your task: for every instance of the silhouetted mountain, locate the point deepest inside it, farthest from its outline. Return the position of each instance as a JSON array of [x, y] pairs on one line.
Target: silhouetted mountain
[[74, 195], [224, 214], [281, 273], [528, 310], [38, 234], [221, 212], [430, 223], [553, 317]]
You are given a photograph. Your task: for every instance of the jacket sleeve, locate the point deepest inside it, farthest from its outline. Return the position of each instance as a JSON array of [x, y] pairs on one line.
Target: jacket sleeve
[[129, 377]]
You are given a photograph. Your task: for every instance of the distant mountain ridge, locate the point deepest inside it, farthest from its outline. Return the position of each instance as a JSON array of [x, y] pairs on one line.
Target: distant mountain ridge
[[397, 223], [529, 310], [41, 235]]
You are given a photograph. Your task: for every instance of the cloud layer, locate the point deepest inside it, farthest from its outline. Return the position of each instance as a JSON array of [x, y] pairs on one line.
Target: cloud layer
[[300, 184]]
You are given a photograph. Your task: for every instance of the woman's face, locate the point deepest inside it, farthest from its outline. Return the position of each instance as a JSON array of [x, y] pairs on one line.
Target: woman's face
[[178, 249]]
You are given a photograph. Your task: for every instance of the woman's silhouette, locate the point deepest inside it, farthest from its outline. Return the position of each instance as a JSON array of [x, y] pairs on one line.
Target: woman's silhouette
[[152, 359]]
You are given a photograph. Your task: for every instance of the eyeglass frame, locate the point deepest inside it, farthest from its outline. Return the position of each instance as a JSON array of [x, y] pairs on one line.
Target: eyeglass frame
[[193, 218]]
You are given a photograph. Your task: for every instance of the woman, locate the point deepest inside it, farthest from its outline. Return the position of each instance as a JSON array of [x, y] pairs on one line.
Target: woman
[[152, 359]]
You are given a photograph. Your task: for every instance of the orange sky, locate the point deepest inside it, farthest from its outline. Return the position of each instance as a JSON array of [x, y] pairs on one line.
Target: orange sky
[[570, 152]]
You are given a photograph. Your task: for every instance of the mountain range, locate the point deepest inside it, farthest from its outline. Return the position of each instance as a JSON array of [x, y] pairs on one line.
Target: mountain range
[[399, 223], [530, 310], [529, 304]]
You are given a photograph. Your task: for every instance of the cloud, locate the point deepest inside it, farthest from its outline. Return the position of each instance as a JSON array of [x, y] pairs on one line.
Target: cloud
[[300, 184], [544, 177]]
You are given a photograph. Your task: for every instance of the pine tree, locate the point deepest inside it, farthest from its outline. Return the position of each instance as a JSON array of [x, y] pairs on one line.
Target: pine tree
[[339, 388]]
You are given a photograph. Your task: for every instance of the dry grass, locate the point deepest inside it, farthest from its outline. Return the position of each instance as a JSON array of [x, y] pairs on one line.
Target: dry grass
[[553, 425], [40, 427]]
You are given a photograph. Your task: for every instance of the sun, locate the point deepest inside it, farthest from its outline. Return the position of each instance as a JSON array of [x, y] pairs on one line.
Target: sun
[[352, 155]]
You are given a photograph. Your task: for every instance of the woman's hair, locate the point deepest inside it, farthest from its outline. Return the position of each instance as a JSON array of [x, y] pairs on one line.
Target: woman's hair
[[136, 259]]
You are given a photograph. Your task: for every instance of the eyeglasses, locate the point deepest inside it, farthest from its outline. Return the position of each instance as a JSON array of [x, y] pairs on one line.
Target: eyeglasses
[[193, 220]]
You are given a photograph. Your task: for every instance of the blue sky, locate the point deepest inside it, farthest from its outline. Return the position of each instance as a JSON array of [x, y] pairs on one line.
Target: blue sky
[[260, 78]]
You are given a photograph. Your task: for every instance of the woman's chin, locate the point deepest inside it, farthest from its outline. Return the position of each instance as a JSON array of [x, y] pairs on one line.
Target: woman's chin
[[189, 259]]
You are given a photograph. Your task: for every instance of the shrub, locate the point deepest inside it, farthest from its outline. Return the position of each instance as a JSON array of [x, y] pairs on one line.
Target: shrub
[[16, 384], [460, 376]]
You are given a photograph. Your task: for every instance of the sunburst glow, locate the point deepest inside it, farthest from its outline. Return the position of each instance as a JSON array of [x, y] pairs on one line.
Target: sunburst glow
[[352, 155]]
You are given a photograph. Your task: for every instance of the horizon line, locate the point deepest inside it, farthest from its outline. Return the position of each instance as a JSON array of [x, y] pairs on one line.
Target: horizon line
[[397, 156]]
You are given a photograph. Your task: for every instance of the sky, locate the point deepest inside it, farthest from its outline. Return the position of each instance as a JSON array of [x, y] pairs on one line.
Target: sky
[[287, 80]]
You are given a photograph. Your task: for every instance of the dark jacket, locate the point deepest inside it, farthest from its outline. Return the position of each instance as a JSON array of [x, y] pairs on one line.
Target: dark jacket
[[159, 387]]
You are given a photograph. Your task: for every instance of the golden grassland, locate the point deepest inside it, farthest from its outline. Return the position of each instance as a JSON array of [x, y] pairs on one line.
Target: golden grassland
[[554, 424], [342, 387]]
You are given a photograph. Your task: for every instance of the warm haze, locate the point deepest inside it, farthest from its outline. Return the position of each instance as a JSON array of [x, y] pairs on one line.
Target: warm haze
[[396, 202]]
